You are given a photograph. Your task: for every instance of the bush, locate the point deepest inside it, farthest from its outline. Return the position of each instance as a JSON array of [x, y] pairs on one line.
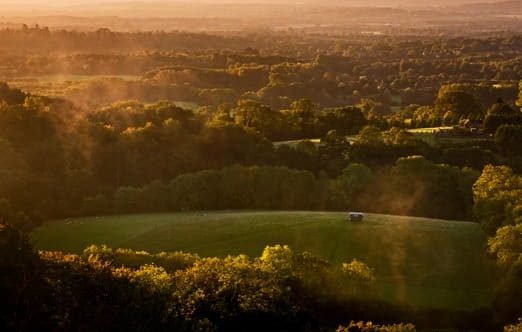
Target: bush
[[170, 261], [515, 327], [370, 327]]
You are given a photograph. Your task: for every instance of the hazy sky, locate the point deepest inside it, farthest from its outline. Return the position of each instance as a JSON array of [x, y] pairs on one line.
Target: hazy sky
[[368, 2], [137, 7], [80, 13]]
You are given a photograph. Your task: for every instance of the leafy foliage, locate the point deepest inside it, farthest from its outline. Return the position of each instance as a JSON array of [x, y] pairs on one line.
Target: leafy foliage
[[514, 327], [370, 327], [498, 206], [357, 270]]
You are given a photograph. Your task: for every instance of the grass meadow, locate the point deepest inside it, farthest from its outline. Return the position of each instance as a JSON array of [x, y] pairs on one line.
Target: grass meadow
[[417, 261]]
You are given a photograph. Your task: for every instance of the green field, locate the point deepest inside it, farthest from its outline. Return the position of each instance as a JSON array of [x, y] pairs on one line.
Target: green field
[[424, 134], [423, 262]]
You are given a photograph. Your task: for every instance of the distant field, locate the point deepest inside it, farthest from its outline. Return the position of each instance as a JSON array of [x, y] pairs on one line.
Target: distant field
[[428, 135], [431, 130], [425, 134], [75, 78], [55, 85], [423, 262], [293, 143]]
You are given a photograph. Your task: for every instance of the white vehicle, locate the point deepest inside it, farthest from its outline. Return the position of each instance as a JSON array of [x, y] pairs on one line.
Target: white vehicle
[[356, 216]]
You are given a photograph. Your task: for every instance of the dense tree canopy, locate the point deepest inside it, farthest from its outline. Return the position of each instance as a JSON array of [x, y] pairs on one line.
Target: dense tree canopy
[[498, 206]]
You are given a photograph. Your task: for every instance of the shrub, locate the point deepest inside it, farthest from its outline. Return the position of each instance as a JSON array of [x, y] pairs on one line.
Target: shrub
[[370, 327]]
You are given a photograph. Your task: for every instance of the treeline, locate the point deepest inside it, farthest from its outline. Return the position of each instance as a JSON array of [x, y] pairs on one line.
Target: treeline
[[106, 290], [413, 186], [41, 40], [498, 206], [229, 188]]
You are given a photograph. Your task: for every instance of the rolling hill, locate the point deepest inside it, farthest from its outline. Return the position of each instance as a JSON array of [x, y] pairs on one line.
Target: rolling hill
[[421, 262]]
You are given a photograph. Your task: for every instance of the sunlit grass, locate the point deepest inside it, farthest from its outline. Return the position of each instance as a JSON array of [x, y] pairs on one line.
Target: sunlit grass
[[423, 262], [293, 143]]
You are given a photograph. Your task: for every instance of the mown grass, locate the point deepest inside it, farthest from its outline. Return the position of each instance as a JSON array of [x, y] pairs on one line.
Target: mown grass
[[421, 262]]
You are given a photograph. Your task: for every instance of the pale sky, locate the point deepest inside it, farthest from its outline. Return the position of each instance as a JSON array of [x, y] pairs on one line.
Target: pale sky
[[368, 2], [118, 7]]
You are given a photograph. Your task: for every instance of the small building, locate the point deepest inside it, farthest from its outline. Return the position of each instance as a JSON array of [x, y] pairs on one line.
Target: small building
[[473, 126], [356, 216]]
